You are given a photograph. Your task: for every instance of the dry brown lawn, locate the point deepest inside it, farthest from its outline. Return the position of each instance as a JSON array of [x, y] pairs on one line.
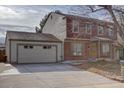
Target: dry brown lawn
[[108, 69]]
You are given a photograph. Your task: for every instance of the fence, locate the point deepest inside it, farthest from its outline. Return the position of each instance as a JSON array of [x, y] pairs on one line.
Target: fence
[[2, 56]]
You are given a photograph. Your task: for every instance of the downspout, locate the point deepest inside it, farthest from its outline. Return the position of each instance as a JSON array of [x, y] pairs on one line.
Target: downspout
[[112, 52], [62, 52], [99, 49]]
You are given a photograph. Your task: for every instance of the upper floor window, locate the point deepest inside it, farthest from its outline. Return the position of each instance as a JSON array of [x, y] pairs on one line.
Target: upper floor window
[[110, 32], [100, 30], [75, 26], [88, 28]]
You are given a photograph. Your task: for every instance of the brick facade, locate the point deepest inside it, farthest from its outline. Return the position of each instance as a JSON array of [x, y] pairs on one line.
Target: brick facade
[[95, 23], [85, 31], [93, 49], [68, 55]]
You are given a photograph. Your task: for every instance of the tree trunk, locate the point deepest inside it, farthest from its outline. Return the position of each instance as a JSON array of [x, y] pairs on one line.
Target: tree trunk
[[120, 31]]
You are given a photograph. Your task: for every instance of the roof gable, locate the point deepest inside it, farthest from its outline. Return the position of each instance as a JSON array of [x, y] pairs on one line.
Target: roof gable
[[80, 17]]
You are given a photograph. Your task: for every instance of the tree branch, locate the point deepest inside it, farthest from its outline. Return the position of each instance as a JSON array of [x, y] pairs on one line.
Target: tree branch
[[95, 10], [117, 10]]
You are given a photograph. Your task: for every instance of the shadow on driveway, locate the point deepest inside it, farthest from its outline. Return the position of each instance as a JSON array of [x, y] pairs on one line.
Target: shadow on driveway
[[35, 68]]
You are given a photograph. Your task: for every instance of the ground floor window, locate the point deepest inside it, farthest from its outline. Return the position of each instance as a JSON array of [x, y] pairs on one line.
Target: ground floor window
[[105, 49], [120, 53], [77, 49]]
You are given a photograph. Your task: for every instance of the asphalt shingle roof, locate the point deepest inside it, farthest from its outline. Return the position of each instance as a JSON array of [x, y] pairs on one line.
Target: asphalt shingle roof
[[13, 35]]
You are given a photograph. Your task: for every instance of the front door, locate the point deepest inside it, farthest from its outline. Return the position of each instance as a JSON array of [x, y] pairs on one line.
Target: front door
[[93, 51]]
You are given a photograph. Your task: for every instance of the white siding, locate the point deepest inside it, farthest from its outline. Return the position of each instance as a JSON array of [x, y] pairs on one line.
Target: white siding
[[56, 25], [7, 44], [14, 49], [37, 54]]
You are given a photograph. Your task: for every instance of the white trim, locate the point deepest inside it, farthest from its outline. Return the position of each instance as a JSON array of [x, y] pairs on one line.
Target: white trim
[[79, 46], [106, 48], [98, 30], [112, 33], [86, 31]]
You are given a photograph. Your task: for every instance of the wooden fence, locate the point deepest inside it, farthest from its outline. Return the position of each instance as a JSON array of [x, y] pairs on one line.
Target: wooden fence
[[2, 56]]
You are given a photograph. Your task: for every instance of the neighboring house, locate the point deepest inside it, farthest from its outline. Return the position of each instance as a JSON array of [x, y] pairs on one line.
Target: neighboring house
[[27, 47], [83, 38], [2, 53], [119, 48], [2, 47]]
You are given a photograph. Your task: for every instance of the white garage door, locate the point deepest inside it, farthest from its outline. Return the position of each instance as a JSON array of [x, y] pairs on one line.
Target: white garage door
[[36, 53]]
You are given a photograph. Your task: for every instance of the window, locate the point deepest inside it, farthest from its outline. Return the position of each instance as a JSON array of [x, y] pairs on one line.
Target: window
[[82, 28], [105, 49], [88, 28], [25, 46], [110, 32], [28, 46], [77, 49], [100, 30], [46, 47], [75, 26], [31, 47]]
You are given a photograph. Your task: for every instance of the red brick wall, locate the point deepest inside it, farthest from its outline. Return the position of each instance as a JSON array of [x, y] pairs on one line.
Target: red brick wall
[[95, 24], [68, 54]]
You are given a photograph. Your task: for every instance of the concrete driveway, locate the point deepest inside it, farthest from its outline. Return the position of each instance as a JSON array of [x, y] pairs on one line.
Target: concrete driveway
[[52, 76]]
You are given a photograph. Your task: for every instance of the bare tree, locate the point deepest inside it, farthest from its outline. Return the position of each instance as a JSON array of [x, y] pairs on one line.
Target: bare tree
[[113, 11], [42, 23]]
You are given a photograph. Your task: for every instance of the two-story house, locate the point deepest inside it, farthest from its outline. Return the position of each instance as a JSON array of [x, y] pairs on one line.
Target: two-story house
[[83, 38]]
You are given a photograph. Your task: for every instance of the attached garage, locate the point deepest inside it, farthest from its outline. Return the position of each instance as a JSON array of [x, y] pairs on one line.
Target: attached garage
[[25, 47], [36, 53]]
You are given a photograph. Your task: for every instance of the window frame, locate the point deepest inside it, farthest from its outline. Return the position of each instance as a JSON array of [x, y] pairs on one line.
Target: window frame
[[75, 23], [25, 46], [75, 49], [86, 28], [109, 31], [47, 47], [105, 49], [98, 29], [31, 46]]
